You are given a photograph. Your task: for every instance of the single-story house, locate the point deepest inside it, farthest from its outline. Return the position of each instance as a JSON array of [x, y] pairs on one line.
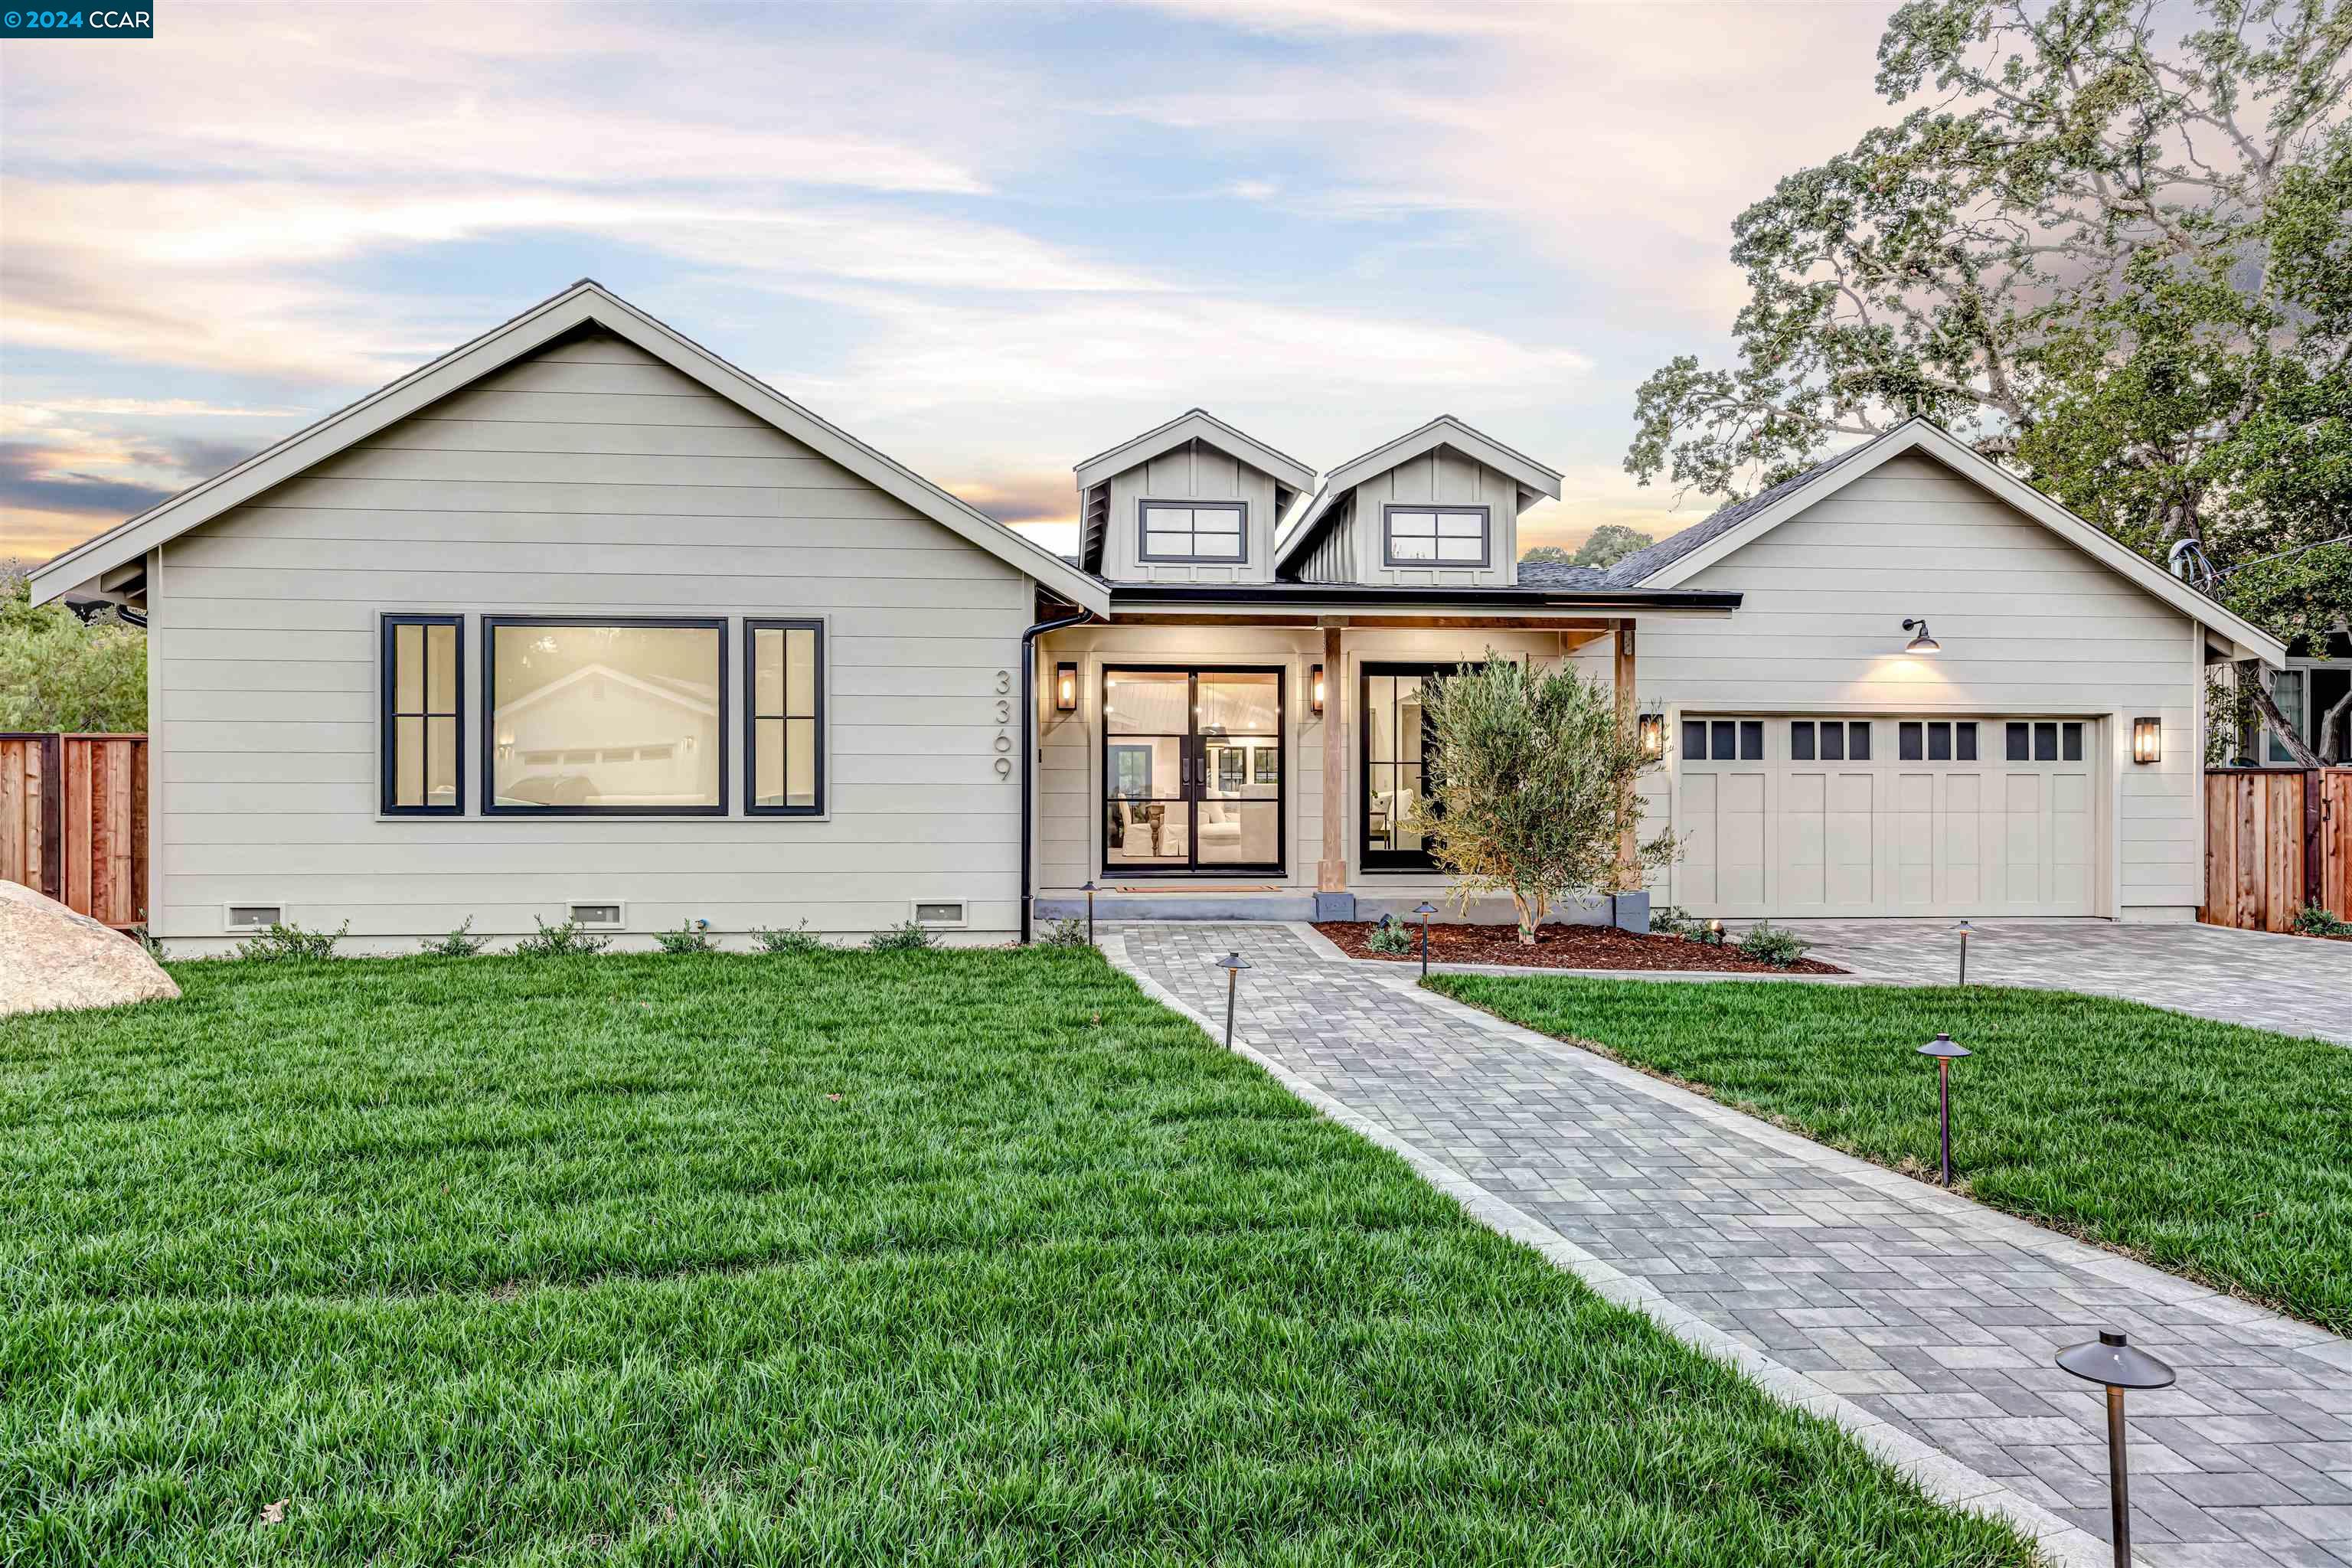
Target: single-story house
[[581, 621]]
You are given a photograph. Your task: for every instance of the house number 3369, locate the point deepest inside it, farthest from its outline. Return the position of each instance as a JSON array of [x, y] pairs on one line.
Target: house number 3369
[[1003, 700]]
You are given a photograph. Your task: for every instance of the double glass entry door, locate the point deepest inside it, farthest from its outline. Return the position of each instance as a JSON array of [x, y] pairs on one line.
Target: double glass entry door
[[1193, 771]]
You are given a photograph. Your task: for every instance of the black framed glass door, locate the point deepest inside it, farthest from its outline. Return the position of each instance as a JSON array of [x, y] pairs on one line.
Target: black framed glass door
[[1194, 770], [1397, 758]]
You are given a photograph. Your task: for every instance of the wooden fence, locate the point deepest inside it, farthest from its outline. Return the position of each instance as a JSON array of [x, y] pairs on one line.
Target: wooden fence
[[73, 821], [2273, 843]]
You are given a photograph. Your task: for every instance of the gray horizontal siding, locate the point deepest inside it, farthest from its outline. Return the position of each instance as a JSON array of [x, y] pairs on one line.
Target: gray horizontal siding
[[587, 479]]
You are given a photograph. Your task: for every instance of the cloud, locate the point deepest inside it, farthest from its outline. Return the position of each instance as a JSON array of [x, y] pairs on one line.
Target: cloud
[[30, 480]]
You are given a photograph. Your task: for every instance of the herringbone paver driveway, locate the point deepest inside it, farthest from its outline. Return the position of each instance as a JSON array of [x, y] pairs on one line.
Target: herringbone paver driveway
[[1916, 1309]]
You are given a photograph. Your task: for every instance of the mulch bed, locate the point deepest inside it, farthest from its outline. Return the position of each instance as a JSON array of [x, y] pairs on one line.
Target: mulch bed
[[1563, 947]]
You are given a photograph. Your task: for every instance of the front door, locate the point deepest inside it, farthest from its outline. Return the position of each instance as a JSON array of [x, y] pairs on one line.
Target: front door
[[1193, 769]]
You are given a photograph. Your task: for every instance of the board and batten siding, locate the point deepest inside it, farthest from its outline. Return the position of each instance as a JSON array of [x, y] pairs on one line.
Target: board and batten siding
[[1195, 471], [1441, 477], [587, 478], [2028, 624]]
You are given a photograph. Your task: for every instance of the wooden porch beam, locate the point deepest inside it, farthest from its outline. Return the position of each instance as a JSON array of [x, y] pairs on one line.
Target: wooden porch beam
[[1331, 873], [1629, 854]]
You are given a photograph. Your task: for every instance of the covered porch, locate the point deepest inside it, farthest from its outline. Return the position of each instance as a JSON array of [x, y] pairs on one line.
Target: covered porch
[[1256, 754]]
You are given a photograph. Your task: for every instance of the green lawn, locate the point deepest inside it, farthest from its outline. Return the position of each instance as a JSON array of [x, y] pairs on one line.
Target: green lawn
[[912, 1258], [2219, 1152]]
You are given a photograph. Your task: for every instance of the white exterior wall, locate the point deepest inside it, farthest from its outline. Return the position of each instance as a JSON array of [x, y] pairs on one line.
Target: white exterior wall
[[1196, 471], [588, 478], [2028, 624], [1443, 477]]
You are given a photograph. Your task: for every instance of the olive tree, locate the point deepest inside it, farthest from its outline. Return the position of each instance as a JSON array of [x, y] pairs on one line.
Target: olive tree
[[1534, 777]]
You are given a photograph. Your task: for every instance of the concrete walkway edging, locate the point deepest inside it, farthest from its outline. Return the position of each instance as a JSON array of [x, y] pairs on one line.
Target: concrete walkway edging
[[2063, 1544]]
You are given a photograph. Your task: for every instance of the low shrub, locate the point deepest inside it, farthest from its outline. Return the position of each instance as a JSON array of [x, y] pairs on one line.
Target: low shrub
[[689, 937], [2318, 920], [796, 941], [907, 938], [291, 942], [1070, 931], [1773, 945], [459, 943], [1389, 936], [1673, 919], [560, 941]]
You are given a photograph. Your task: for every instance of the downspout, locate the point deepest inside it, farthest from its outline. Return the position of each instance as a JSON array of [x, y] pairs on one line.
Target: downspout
[[1029, 744]]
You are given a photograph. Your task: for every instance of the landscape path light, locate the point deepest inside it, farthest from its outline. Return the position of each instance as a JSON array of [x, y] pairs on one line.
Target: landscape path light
[[1090, 914], [2113, 1362], [1232, 964], [1946, 1053], [1424, 910], [1964, 930]]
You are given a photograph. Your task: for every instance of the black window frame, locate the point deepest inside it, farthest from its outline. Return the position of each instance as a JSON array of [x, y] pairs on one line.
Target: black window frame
[[491, 626], [1484, 514], [1143, 551], [1376, 860], [387, 740], [752, 627]]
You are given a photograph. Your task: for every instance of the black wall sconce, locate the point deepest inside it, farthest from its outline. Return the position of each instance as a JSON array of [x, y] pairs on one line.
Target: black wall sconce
[[1065, 688], [1653, 735], [2148, 740], [1922, 643], [1315, 690]]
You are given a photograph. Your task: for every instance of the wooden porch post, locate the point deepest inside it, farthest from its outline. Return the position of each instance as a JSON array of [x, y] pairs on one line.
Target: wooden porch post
[[1628, 856], [1331, 872]]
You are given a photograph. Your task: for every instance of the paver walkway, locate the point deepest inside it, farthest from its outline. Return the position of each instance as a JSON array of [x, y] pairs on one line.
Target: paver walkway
[[2297, 985], [1893, 1307]]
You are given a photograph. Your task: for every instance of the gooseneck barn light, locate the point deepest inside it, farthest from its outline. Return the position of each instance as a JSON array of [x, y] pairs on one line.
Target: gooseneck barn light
[[1922, 643]]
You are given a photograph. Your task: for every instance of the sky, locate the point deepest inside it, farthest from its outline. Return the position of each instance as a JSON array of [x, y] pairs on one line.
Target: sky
[[990, 239]]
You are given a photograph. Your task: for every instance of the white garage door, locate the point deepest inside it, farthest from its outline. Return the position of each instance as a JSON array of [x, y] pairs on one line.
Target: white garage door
[[1890, 814]]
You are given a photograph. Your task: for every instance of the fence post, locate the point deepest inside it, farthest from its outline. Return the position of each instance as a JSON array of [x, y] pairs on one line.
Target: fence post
[[2315, 890], [53, 816]]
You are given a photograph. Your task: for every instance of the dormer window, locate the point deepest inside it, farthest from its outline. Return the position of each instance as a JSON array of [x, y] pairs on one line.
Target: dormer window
[[1195, 530], [1437, 536]]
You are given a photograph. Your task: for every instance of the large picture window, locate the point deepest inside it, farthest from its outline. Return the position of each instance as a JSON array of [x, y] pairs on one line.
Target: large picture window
[[783, 718], [1194, 531], [1437, 536], [423, 711], [585, 715]]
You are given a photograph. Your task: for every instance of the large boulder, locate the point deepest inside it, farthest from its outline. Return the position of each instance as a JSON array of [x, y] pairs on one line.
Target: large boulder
[[51, 957]]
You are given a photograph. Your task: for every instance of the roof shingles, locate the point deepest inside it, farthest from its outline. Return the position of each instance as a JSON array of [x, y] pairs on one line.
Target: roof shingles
[[1655, 558]]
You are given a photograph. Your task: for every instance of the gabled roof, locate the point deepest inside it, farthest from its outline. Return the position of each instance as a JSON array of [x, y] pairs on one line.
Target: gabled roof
[[585, 302], [1533, 478], [1673, 560], [1291, 477], [1196, 425], [1656, 557]]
